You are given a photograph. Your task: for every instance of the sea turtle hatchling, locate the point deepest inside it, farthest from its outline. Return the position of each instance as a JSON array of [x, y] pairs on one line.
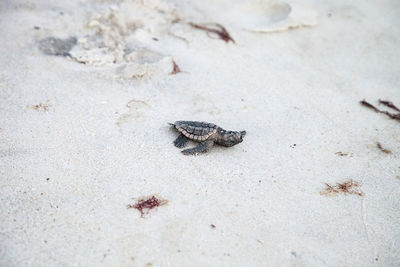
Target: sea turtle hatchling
[[206, 134]]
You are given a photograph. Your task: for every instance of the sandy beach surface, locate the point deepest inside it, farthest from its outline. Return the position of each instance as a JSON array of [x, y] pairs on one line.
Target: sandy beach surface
[[87, 89]]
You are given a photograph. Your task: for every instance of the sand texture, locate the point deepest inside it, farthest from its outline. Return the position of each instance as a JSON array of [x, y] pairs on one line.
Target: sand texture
[[87, 89]]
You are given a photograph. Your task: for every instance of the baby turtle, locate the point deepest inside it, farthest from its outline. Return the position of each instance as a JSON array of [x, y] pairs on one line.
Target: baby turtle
[[206, 134]]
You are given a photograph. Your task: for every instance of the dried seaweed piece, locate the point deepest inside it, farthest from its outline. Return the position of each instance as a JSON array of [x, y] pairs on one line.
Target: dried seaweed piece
[[389, 104], [368, 105], [144, 205], [384, 150], [221, 32], [345, 187], [390, 115], [175, 68], [40, 107], [344, 154], [329, 190], [348, 187]]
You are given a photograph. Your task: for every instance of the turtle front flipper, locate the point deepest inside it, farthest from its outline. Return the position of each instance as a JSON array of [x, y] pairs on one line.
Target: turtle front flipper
[[181, 141], [203, 147]]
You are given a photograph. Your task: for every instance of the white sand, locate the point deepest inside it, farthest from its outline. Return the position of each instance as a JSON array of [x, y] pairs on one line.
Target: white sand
[[68, 172]]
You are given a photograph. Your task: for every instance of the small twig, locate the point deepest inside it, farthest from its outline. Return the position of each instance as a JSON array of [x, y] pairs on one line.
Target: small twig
[[179, 37], [384, 150], [221, 31]]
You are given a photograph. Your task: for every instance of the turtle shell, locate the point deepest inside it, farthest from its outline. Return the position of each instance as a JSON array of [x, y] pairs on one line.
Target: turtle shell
[[196, 130]]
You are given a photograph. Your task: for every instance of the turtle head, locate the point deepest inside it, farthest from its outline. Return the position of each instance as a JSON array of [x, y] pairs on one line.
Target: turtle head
[[231, 138]]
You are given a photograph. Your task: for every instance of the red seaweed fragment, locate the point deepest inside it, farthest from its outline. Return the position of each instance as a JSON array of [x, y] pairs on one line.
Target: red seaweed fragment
[[386, 103], [40, 107], [175, 68], [389, 104], [349, 187], [368, 105], [344, 154], [144, 205], [384, 150], [218, 29]]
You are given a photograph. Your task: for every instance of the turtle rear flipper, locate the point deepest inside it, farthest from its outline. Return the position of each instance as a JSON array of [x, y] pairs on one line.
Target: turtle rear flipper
[[181, 141], [203, 147]]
